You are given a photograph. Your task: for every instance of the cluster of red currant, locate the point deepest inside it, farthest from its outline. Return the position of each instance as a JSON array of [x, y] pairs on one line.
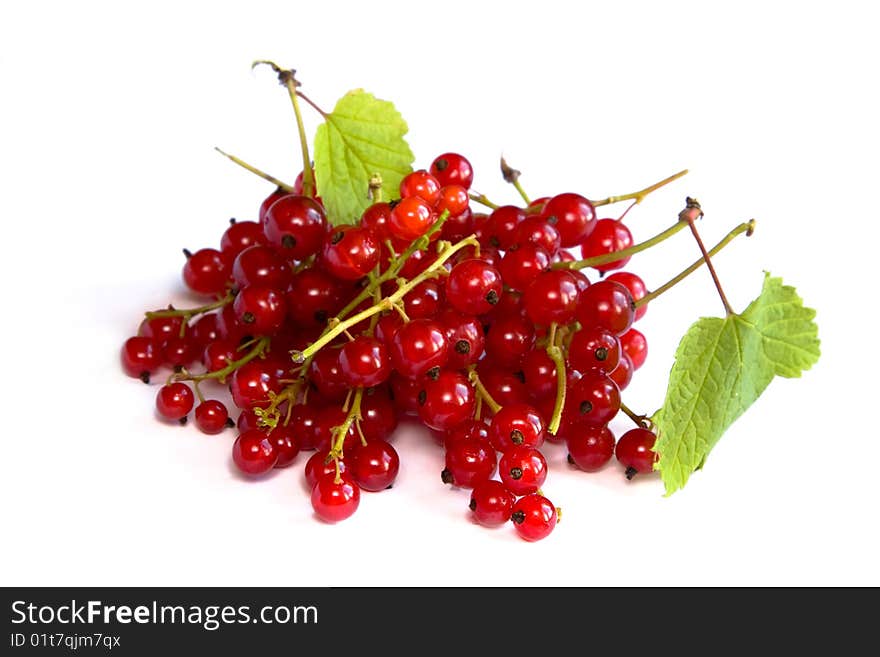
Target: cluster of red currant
[[481, 325]]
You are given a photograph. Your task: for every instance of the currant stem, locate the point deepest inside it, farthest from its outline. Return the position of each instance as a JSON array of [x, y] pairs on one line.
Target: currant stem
[[623, 253], [483, 200], [708, 259], [259, 348], [354, 415], [512, 175], [639, 196], [482, 393], [641, 421], [188, 313], [312, 103], [388, 303], [262, 174], [555, 354], [748, 228]]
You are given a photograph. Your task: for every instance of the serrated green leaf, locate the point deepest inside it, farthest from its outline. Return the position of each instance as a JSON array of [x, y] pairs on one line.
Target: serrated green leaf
[[362, 137], [721, 367]]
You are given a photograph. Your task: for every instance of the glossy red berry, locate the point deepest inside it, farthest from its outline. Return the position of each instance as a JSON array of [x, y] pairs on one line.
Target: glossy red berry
[[326, 429], [539, 371], [261, 310], [313, 297], [467, 430], [534, 517], [326, 375], [523, 469], [295, 226], [205, 271], [552, 297], [239, 236], [623, 373], [521, 266], [468, 462], [572, 215], [589, 447], [635, 345], [491, 503], [175, 400], [419, 346], [539, 232], [635, 451], [350, 252], [212, 416], [374, 466], [608, 236], [420, 184], [504, 386], [593, 399], [253, 453], [405, 393], [516, 425], [411, 218], [252, 383], [607, 305], [446, 401], [424, 300], [501, 227], [286, 447], [260, 265], [452, 169], [465, 337], [473, 287], [375, 218], [364, 362], [509, 339], [636, 287], [594, 349], [160, 329], [320, 464], [378, 417], [452, 199], [269, 200], [335, 498], [205, 330], [141, 357]]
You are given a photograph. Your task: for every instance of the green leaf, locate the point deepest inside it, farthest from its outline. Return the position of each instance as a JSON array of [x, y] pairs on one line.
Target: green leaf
[[721, 367], [361, 138]]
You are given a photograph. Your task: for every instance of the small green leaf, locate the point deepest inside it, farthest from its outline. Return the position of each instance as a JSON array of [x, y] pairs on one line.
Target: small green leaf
[[362, 137], [721, 367]]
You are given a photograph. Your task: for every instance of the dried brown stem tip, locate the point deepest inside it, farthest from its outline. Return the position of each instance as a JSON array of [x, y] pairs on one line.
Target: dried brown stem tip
[[509, 174]]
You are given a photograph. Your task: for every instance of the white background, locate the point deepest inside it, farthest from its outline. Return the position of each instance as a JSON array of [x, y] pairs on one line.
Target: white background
[[108, 118]]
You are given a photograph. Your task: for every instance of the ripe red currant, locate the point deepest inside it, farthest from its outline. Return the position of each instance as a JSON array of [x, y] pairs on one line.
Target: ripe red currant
[[374, 466], [175, 400], [635, 451], [491, 503], [411, 218], [523, 469], [589, 447], [608, 236], [141, 357], [572, 215], [212, 416], [452, 169], [607, 305], [419, 346], [636, 287], [420, 184], [295, 226], [350, 252], [261, 310], [254, 453], [516, 425], [335, 498], [635, 345], [594, 349], [364, 362], [468, 462], [552, 297], [446, 401], [534, 517], [205, 271]]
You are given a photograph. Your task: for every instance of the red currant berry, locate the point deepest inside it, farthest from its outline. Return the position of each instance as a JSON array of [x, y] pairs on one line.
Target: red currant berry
[[387, 326], [350, 252], [465, 337], [504, 386], [261, 310], [269, 200], [635, 345], [607, 305], [174, 400], [212, 416], [538, 231], [260, 265], [321, 464], [295, 226], [205, 330], [205, 271], [420, 184], [467, 430], [141, 357], [509, 339], [254, 453], [502, 225], [609, 236], [219, 354], [452, 199], [520, 266], [405, 393], [594, 349], [593, 399], [468, 462], [457, 226], [534, 517], [552, 297], [303, 419], [491, 503], [411, 218], [419, 346], [326, 375], [252, 383], [516, 425], [424, 300], [335, 498], [446, 401], [635, 451], [180, 352], [589, 447], [329, 419], [375, 218], [636, 287], [313, 297], [523, 469], [572, 215], [623, 373], [364, 362], [378, 419], [473, 287], [452, 169], [284, 441], [374, 466], [160, 329], [239, 236], [539, 371]]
